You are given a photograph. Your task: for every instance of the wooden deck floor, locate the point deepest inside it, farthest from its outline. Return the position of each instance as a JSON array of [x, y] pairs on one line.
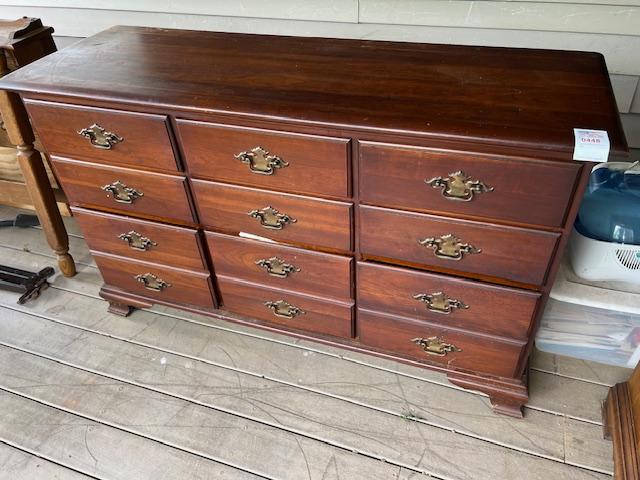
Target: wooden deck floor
[[168, 395]]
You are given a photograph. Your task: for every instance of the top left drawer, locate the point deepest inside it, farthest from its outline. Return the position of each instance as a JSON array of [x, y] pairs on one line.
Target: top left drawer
[[138, 140]]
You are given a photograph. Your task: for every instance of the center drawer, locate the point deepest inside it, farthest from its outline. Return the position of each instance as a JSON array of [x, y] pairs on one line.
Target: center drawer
[[284, 161], [279, 266], [279, 216], [289, 309], [449, 301]]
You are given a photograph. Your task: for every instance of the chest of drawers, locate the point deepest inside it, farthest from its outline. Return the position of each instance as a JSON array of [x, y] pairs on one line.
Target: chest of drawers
[[406, 200]]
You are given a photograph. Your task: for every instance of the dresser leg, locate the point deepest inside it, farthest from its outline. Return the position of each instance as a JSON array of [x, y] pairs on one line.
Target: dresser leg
[[507, 397], [118, 308]]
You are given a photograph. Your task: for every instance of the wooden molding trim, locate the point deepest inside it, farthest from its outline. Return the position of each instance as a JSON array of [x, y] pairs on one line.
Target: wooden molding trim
[[620, 427]]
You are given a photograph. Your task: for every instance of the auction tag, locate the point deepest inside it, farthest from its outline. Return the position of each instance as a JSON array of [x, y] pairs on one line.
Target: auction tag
[[591, 145]]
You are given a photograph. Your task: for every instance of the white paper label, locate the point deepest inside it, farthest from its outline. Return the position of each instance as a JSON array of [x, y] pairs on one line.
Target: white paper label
[[591, 145]]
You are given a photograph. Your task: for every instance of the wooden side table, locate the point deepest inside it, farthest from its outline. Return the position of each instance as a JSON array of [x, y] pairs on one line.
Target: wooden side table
[[21, 42], [622, 425]]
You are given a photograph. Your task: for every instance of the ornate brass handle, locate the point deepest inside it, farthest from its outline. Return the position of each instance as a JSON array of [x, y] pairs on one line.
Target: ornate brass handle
[[271, 218], [99, 137], [137, 241], [449, 247], [121, 193], [277, 267], [284, 309], [440, 302], [458, 186], [261, 162], [151, 282], [436, 346]]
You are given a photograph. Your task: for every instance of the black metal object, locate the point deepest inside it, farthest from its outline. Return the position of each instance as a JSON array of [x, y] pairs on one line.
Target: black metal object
[[21, 221], [30, 284]]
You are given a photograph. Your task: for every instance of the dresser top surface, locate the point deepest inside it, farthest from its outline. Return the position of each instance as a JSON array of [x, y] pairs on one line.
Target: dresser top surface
[[513, 97]]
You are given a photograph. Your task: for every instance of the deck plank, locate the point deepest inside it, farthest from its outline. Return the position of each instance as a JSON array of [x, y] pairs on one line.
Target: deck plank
[[552, 427], [268, 450], [88, 281], [578, 369], [323, 417], [16, 464], [98, 449]]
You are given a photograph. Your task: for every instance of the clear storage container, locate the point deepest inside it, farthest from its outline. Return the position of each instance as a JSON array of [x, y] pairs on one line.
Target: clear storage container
[[596, 321], [589, 333]]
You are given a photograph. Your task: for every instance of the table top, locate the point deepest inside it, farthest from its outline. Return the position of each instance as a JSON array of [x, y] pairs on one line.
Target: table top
[[513, 97]]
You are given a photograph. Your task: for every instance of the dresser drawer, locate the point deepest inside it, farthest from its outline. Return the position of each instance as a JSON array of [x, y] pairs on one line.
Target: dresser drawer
[[162, 195], [305, 271], [140, 239], [535, 192], [289, 309], [283, 217], [266, 158], [182, 286], [409, 338], [447, 301], [145, 139], [511, 253]]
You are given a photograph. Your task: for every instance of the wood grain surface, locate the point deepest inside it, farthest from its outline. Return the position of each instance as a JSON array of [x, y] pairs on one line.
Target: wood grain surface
[[322, 223], [524, 191], [173, 246], [318, 315], [510, 253], [491, 95], [319, 274], [145, 143], [315, 164], [497, 310], [164, 196], [185, 287], [477, 353]]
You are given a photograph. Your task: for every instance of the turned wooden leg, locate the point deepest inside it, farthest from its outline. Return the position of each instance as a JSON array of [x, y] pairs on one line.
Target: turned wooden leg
[[35, 176]]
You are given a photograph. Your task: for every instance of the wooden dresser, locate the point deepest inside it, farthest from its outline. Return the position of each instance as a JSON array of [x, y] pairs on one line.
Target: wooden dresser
[[407, 200]]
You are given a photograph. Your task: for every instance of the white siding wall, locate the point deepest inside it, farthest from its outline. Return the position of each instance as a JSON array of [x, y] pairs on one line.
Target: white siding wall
[[611, 27]]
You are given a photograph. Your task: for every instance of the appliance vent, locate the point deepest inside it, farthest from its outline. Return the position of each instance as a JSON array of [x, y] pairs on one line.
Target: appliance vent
[[629, 258]]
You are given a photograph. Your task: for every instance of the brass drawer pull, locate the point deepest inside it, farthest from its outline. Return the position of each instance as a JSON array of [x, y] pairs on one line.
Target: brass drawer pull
[[121, 193], [261, 162], [436, 346], [449, 247], [284, 309], [458, 186], [277, 267], [151, 282], [440, 302], [271, 218], [99, 137], [137, 241]]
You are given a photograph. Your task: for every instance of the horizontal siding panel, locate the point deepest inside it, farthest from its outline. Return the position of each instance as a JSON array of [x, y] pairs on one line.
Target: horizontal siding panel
[[624, 87], [317, 10], [621, 52], [560, 17]]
